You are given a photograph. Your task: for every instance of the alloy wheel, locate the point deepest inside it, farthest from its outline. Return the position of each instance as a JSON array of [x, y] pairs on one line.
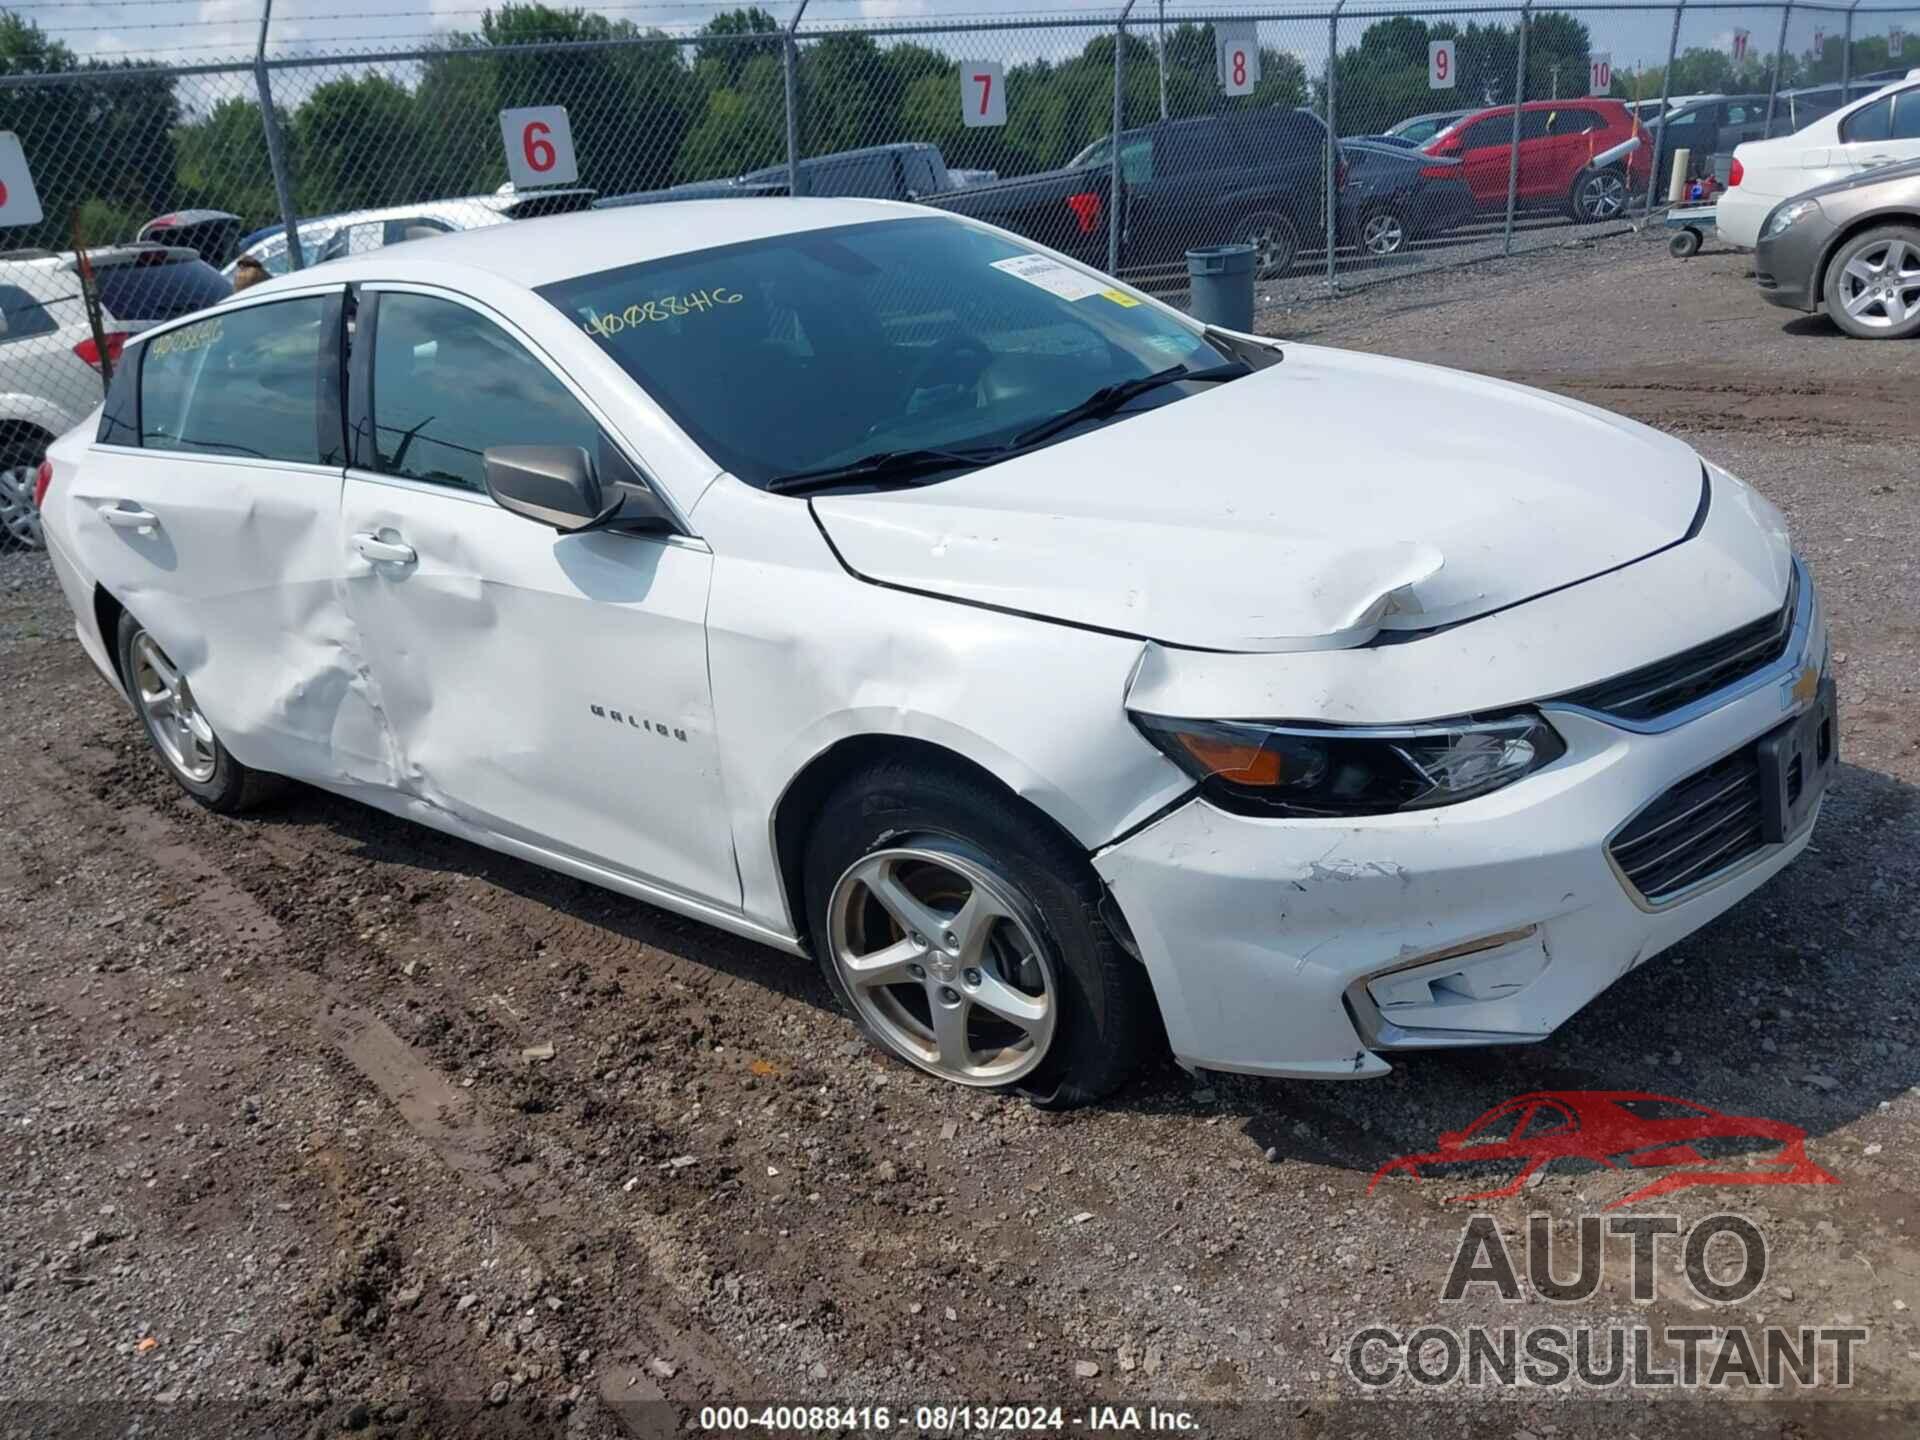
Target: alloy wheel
[[1603, 196], [166, 700], [1273, 245], [1383, 234], [19, 520], [1880, 285], [944, 964]]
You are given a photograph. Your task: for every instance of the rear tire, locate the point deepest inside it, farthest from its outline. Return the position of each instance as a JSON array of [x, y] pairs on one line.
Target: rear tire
[[1275, 240], [1873, 284], [19, 517], [964, 936], [1684, 245], [1384, 233], [180, 734]]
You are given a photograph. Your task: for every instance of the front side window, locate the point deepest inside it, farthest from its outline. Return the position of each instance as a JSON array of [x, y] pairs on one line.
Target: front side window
[[243, 382], [448, 383], [800, 351]]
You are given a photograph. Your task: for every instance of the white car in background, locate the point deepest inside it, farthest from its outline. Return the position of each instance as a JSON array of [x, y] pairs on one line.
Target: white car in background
[[357, 232], [1881, 129], [863, 580], [49, 360]]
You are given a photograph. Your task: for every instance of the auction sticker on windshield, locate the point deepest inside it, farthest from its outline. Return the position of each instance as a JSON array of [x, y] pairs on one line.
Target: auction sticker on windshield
[[1052, 276]]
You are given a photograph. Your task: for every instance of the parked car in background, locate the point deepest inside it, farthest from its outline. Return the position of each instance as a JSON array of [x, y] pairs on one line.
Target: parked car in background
[[1253, 176], [1394, 196], [1706, 127], [904, 171], [1881, 129], [1851, 247], [863, 582], [1647, 111], [356, 232], [1589, 156], [1416, 130], [49, 361]]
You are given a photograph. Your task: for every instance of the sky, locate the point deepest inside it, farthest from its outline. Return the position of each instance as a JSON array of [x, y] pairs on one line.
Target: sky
[[202, 31]]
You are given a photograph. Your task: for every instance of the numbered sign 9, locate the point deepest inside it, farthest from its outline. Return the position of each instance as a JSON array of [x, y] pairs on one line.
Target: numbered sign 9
[[1236, 50], [983, 92], [1440, 70], [539, 147], [19, 201], [1600, 74]]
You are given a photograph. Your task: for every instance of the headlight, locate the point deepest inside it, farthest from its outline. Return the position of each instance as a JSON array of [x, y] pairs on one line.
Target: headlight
[[1788, 214], [1258, 769]]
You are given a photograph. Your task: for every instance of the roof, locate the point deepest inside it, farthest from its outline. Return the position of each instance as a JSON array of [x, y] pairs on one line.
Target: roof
[[560, 247]]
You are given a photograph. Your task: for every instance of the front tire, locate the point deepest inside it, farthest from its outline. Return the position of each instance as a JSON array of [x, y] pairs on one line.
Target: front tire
[[1383, 233], [1599, 195], [964, 936], [180, 735], [1873, 284]]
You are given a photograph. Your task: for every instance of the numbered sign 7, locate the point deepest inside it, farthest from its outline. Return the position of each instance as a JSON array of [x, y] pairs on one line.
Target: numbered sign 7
[[539, 147], [1440, 67], [983, 93]]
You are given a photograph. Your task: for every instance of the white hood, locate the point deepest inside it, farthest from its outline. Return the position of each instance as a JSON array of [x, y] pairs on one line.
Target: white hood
[[1305, 507]]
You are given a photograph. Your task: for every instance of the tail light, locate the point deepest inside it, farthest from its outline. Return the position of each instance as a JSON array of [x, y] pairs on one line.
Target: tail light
[[1439, 172], [1086, 209], [90, 352], [1737, 174], [41, 480], [1340, 174]]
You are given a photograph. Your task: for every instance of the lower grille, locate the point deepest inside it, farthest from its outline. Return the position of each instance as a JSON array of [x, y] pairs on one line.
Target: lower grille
[[1707, 823]]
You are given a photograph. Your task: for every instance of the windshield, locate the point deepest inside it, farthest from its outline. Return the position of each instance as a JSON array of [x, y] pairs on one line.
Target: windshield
[[805, 351]]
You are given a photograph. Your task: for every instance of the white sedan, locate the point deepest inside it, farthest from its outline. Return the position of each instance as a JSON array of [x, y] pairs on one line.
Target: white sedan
[[1881, 129], [865, 581]]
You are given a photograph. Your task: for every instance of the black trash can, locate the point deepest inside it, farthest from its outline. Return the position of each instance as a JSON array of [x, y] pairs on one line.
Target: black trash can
[[1220, 278]]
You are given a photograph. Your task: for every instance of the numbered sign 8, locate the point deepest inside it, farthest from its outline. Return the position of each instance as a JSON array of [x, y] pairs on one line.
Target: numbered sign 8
[[19, 201], [1237, 53], [1600, 74], [1440, 70], [1739, 45], [539, 147], [983, 92]]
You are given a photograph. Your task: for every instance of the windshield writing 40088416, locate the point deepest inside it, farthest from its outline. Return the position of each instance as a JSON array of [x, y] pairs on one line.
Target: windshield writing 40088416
[[666, 307]]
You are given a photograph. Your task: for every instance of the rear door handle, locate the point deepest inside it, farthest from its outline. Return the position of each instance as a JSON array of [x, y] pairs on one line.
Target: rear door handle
[[374, 548], [128, 516]]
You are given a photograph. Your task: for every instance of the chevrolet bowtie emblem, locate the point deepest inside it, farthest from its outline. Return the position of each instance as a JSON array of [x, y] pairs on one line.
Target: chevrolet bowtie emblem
[[1803, 689]]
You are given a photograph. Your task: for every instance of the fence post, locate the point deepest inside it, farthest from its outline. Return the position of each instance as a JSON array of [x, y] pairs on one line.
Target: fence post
[[1666, 93], [1513, 149], [276, 149], [1114, 205], [1779, 56], [790, 67], [1333, 140], [1161, 37], [1846, 54]]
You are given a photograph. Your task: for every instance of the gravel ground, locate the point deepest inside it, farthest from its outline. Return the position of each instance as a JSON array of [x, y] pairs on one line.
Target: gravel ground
[[283, 1147]]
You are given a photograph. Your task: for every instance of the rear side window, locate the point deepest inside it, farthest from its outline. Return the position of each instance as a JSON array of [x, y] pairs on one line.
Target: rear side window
[[160, 291], [1495, 130], [1875, 122], [22, 316], [449, 383], [246, 383]]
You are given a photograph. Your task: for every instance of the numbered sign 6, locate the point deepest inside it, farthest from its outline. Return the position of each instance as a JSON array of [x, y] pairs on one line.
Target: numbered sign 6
[[19, 202], [983, 92], [1440, 69], [539, 147], [1237, 52], [1600, 74]]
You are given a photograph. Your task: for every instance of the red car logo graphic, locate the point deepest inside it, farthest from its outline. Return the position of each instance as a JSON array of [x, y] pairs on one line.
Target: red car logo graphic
[[1620, 1129]]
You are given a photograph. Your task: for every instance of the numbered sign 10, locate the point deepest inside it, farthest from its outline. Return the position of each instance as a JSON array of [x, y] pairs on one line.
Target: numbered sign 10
[[19, 202], [1600, 74], [539, 147], [1440, 66], [983, 92], [1237, 52]]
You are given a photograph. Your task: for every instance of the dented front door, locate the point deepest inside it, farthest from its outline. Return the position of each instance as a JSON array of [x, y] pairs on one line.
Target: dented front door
[[549, 688]]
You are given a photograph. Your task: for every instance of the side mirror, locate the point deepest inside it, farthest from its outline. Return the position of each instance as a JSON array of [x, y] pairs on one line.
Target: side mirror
[[559, 485]]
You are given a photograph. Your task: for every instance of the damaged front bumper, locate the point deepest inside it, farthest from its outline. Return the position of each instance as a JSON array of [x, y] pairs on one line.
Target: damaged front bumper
[[1313, 947]]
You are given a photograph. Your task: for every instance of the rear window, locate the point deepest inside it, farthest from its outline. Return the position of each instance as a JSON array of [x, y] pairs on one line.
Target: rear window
[[164, 291], [21, 315]]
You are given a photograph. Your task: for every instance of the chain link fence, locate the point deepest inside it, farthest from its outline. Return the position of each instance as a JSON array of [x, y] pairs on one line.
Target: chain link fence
[[1460, 133]]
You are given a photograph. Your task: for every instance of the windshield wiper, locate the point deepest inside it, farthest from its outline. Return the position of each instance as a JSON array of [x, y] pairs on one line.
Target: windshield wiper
[[1109, 398], [899, 466]]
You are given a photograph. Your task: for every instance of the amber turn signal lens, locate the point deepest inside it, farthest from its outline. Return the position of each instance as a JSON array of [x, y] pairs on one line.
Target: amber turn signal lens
[[1234, 760]]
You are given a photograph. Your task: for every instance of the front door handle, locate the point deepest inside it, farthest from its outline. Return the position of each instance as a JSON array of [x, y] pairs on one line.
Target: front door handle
[[374, 548], [128, 516]]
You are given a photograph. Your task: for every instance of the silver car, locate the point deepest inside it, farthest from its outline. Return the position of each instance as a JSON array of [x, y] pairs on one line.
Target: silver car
[[1851, 247]]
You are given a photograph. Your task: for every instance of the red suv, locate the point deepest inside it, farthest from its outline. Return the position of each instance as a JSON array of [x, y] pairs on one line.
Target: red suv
[[1565, 155]]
